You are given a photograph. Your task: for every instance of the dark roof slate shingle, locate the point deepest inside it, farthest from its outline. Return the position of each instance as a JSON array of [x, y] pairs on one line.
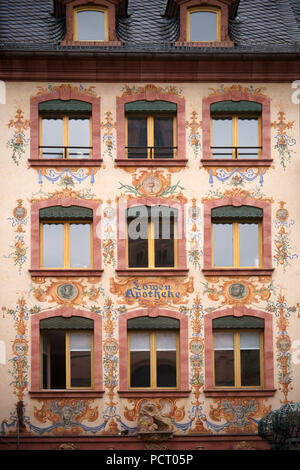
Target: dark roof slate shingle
[[258, 24]]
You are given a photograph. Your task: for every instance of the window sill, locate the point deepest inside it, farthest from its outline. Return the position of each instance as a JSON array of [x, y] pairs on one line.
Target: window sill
[[66, 272], [66, 393], [152, 272], [238, 392], [237, 271], [66, 163], [153, 393], [204, 43], [151, 163], [245, 162], [73, 42]]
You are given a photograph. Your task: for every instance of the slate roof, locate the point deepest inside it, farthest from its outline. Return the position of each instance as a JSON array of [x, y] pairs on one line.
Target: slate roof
[[259, 25]]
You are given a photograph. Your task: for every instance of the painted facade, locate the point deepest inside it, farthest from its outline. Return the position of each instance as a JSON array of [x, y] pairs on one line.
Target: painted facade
[[110, 415], [193, 294]]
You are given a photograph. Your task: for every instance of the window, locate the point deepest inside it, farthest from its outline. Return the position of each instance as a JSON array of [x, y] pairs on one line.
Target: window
[[67, 353], [66, 237], [90, 24], [237, 236], [151, 129], [65, 129], [236, 130], [238, 358], [151, 237], [238, 353], [203, 24], [153, 352]]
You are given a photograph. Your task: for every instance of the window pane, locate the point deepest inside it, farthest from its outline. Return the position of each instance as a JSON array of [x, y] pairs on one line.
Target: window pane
[[166, 359], [222, 137], [139, 360], [250, 358], [138, 242], [80, 357], [53, 245], [249, 244], [90, 26], [79, 137], [80, 245], [222, 245], [203, 26], [164, 242], [52, 136], [137, 137], [56, 360], [248, 136], [224, 359], [163, 137]]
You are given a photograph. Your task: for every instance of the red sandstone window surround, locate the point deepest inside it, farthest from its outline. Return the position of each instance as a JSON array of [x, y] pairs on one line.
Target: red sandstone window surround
[[264, 138], [183, 385], [151, 95], [94, 269], [264, 267], [221, 8], [37, 390], [267, 354], [65, 95], [110, 9], [179, 268]]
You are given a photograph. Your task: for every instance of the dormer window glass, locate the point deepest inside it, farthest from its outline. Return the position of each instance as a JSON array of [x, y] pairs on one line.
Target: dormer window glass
[[90, 24], [203, 25]]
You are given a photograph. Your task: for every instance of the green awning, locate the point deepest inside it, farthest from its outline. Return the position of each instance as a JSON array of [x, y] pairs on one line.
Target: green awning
[[153, 323], [66, 213], [232, 322], [236, 107], [71, 323], [69, 106], [237, 213], [157, 106], [151, 212]]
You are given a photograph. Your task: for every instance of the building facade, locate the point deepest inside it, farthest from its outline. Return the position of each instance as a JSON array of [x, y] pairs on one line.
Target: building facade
[[150, 222]]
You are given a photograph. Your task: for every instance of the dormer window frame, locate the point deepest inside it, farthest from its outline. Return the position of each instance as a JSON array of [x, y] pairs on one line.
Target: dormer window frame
[[96, 8], [209, 9], [110, 7]]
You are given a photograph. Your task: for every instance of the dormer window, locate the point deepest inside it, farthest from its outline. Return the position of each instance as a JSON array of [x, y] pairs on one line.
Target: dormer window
[[90, 24], [203, 24]]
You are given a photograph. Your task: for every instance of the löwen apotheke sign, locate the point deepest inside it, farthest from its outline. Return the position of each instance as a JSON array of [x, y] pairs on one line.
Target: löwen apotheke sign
[[153, 292]]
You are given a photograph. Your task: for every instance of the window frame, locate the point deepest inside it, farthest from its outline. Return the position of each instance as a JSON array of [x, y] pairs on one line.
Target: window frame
[[65, 93], [36, 270], [151, 246], [236, 94], [210, 9], [150, 94], [181, 262], [153, 362], [36, 390], [266, 261], [150, 135], [68, 361], [66, 237], [236, 247], [183, 389], [65, 134], [235, 135], [237, 359], [82, 8], [110, 6], [268, 354]]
